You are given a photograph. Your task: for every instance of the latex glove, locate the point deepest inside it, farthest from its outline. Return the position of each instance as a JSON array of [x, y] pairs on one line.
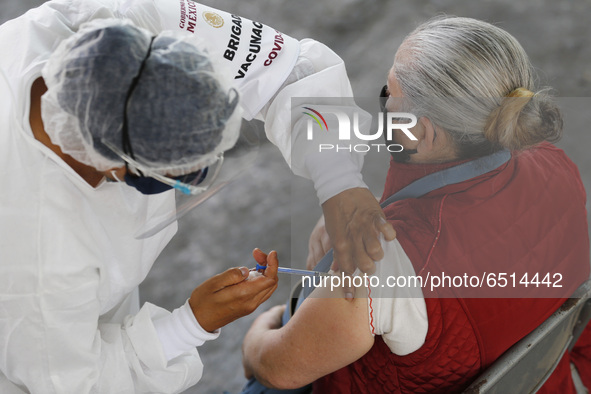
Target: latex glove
[[318, 245], [354, 222], [228, 296], [269, 320]]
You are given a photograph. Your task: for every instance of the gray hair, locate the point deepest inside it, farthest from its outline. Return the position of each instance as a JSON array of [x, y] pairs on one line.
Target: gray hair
[[475, 81]]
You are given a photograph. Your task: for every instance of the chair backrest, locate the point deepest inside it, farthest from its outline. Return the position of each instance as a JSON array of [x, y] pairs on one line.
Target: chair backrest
[[527, 365]]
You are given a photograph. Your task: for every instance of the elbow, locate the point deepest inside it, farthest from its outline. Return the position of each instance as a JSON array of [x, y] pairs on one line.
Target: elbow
[[279, 381], [271, 364], [279, 376]]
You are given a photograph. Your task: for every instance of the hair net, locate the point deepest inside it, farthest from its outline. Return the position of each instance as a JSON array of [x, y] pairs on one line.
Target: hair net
[[180, 114]]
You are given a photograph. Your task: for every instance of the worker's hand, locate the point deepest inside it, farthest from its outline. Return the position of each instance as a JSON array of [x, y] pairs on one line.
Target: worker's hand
[[269, 320], [318, 245], [354, 221], [229, 296]]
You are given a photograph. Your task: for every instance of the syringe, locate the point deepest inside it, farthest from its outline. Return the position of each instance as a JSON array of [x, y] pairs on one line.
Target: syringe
[[292, 271]]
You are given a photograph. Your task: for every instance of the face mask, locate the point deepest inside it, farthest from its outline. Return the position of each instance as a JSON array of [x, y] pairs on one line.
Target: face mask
[[147, 185], [403, 156]]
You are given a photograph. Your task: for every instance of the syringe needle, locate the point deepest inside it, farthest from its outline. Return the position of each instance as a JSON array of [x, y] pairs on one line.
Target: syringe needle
[[293, 271]]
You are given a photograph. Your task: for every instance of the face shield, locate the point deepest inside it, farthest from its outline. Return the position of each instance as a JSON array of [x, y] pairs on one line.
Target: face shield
[[213, 176], [179, 120], [162, 100]]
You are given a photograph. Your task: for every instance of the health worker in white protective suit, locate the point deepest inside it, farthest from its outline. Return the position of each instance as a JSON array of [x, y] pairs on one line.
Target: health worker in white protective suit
[[106, 106]]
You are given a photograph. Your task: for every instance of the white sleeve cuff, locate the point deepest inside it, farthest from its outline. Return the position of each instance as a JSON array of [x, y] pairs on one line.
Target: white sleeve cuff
[[333, 173], [180, 332]]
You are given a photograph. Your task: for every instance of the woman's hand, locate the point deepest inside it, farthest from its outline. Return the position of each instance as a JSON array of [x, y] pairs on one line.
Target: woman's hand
[[228, 296], [269, 320]]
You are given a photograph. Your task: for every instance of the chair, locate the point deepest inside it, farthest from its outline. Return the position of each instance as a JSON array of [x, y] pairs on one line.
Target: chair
[[527, 365]]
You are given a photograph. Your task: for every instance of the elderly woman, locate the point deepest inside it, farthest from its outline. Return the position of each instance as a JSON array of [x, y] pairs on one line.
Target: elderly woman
[[471, 86]]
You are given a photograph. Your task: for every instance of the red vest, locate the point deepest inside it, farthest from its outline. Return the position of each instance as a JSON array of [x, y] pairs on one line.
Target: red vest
[[530, 212]]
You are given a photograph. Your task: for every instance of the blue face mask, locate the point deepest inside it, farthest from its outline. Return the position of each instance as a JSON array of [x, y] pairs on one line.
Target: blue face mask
[[147, 185]]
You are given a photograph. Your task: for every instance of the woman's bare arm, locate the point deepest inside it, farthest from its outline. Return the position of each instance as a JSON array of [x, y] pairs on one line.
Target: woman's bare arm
[[327, 333]]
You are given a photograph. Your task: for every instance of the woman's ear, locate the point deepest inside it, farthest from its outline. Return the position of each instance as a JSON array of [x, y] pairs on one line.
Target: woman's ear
[[427, 139]]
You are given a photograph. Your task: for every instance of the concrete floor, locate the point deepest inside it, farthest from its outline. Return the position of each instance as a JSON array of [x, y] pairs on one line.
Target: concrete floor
[[271, 209]]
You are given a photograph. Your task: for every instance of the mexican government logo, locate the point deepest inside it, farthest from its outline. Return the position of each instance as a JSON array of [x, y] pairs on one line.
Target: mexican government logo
[[213, 19]]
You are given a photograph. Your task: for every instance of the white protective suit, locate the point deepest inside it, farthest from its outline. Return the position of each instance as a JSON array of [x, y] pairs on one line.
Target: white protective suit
[[69, 263]]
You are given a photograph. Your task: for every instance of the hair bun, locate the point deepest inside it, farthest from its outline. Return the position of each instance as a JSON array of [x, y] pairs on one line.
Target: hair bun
[[523, 119]]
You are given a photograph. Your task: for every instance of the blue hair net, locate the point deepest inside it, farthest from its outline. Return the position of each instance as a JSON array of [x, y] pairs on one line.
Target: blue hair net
[[180, 114]]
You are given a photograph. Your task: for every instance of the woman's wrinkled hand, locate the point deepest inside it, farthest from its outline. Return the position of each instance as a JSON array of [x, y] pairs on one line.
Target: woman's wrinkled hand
[[269, 320]]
